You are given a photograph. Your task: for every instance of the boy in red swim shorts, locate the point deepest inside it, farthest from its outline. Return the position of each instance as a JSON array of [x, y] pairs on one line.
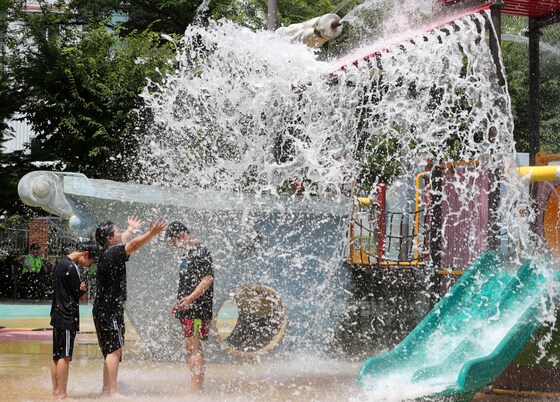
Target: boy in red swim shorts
[[194, 297]]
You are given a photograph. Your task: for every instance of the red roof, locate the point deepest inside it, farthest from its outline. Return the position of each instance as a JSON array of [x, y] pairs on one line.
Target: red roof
[[531, 8], [523, 8]]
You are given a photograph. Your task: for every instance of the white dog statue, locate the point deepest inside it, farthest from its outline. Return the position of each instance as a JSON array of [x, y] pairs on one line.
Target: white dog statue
[[314, 32]]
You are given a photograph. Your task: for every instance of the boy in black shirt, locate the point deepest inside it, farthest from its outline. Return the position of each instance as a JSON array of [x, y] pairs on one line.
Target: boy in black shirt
[[69, 289], [108, 307], [194, 298]]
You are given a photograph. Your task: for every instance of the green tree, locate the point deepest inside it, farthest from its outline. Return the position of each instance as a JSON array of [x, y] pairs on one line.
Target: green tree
[[166, 16], [550, 90], [9, 100], [82, 89], [253, 13], [13, 165], [173, 16], [516, 62]]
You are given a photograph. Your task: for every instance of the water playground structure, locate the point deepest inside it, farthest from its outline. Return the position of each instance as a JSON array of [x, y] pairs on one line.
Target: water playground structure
[[284, 262]]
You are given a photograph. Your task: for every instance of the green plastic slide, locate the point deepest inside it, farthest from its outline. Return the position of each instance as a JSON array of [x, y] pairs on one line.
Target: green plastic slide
[[468, 338]]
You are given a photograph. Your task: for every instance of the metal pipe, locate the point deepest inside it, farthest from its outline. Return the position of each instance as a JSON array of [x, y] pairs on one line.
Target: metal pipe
[[533, 394], [436, 218]]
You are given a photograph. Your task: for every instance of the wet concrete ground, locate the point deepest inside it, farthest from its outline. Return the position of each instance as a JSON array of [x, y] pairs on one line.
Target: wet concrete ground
[[26, 377], [25, 374]]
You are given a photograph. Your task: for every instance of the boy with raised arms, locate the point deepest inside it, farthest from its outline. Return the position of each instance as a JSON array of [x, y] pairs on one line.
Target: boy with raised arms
[[108, 308]]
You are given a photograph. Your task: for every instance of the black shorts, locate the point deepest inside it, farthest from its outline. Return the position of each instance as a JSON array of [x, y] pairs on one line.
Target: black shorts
[[113, 340], [63, 343]]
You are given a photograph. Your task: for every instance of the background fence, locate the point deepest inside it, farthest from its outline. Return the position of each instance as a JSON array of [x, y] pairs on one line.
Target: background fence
[[14, 245]]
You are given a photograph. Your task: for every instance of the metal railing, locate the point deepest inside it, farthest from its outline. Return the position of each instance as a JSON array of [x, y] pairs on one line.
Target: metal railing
[[15, 241], [385, 238]]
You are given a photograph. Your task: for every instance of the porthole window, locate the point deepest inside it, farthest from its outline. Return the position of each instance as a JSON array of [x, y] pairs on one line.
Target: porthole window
[[250, 320]]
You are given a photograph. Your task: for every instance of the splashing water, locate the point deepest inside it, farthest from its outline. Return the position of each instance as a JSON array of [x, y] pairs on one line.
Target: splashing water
[[248, 113], [220, 114], [376, 19]]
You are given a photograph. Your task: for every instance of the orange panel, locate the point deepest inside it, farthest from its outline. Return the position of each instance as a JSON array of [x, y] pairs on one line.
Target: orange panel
[[551, 221]]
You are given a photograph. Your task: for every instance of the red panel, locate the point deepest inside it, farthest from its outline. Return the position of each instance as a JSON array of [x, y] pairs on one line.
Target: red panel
[[523, 8], [355, 59], [531, 8]]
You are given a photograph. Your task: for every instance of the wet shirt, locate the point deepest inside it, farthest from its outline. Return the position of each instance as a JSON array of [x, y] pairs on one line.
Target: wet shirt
[[111, 287], [195, 265], [65, 311]]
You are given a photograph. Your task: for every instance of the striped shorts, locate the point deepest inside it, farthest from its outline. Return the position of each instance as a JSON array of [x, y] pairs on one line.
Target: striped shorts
[[63, 343], [111, 341]]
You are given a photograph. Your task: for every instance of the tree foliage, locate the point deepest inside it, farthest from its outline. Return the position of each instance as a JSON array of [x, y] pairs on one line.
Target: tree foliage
[[516, 61], [14, 164], [167, 16], [81, 91], [76, 75], [173, 16]]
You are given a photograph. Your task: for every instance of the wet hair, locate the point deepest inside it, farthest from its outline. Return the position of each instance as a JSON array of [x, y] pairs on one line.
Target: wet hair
[[103, 231], [91, 247], [175, 228]]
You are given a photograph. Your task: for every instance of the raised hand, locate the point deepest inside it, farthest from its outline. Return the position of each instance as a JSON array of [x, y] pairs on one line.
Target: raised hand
[[134, 222], [158, 226]]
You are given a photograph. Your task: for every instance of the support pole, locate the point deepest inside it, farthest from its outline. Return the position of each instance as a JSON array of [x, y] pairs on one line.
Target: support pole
[[494, 240], [494, 176], [534, 105], [495, 40], [435, 233], [436, 221], [272, 16]]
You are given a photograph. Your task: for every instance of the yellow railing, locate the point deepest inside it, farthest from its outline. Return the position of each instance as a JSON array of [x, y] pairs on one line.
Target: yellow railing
[[363, 247]]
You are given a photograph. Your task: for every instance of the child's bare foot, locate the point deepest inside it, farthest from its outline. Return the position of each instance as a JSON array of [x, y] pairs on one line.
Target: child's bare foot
[[107, 394], [116, 395]]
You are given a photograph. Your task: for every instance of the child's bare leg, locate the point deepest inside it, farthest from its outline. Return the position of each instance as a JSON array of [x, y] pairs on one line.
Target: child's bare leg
[[111, 372], [54, 378], [197, 365], [62, 368]]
